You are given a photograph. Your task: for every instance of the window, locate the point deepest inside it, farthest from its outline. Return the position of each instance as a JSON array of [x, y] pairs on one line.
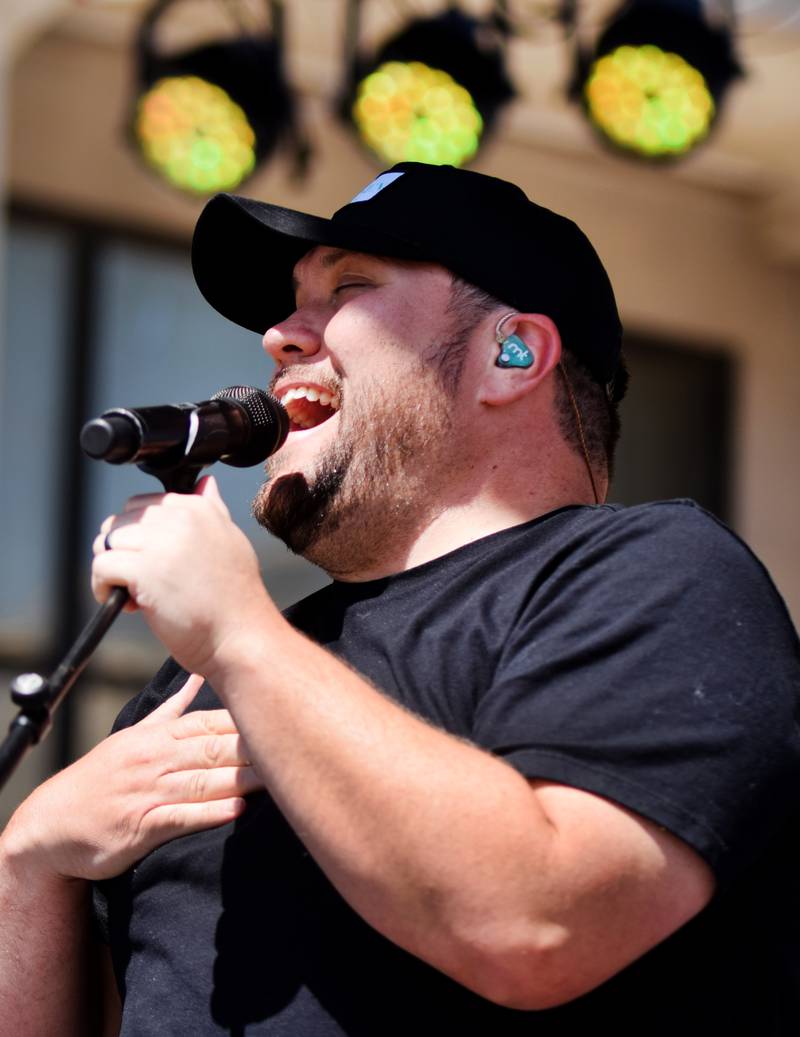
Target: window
[[96, 319], [676, 425]]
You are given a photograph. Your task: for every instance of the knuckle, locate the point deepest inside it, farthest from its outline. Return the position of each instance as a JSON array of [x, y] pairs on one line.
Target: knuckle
[[207, 721], [198, 785], [122, 822], [212, 748], [130, 826], [170, 818]]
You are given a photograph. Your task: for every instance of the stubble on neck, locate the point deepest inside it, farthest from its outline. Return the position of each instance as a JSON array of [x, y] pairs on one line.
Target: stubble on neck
[[370, 496]]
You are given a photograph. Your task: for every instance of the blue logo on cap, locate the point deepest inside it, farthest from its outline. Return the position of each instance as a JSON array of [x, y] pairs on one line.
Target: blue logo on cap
[[375, 187]]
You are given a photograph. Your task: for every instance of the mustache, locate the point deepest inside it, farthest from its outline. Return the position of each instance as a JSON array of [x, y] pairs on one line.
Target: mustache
[[305, 373]]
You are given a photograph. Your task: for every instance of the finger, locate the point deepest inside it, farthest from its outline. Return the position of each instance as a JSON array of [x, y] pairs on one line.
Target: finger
[[114, 569], [171, 820], [208, 751], [125, 536], [202, 722], [176, 704], [204, 785], [111, 524], [106, 524]]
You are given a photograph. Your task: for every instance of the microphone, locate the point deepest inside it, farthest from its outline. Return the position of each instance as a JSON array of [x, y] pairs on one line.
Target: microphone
[[240, 426]]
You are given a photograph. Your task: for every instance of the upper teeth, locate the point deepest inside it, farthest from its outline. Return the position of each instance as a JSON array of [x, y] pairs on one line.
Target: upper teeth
[[305, 392]]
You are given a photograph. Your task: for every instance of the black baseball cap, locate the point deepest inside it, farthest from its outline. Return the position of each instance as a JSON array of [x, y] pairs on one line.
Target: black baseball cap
[[483, 229]]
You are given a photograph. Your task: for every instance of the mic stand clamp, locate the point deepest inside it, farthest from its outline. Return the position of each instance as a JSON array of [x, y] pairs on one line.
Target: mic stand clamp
[[37, 697]]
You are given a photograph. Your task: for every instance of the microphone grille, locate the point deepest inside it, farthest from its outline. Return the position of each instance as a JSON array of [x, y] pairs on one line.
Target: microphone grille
[[268, 421]]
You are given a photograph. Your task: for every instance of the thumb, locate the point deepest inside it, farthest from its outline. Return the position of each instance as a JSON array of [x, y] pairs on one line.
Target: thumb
[[207, 487], [177, 704]]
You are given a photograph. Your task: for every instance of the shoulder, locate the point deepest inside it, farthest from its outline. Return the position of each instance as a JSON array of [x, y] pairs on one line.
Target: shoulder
[[655, 664], [679, 529], [671, 546], [679, 525]]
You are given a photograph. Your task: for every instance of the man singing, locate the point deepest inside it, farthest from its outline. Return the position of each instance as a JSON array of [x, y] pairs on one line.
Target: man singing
[[527, 765]]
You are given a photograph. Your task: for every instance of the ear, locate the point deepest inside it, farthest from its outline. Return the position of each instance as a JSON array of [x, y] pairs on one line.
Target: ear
[[503, 385]]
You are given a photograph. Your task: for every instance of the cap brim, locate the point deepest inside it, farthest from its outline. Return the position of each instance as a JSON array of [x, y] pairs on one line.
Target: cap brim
[[244, 252]]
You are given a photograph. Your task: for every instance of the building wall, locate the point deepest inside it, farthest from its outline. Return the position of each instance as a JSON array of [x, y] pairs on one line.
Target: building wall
[[687, 259]]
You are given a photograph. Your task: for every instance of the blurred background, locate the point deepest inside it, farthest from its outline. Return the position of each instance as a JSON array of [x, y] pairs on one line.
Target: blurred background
[[113, 132]]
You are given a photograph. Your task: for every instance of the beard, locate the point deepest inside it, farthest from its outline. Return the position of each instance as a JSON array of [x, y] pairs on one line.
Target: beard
[[373, 488]]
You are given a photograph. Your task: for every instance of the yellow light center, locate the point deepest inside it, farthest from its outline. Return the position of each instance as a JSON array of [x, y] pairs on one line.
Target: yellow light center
[[194, 135], [649, 100], [409, 112]]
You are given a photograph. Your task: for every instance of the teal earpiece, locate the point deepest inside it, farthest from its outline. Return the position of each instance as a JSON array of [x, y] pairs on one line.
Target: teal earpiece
[[513, 351]]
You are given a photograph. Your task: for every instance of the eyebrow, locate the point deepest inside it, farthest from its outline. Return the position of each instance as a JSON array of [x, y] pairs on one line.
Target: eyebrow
[[332, 258]]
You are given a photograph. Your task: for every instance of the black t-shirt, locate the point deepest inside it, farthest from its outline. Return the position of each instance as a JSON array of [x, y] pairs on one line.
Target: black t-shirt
[[642, 654]]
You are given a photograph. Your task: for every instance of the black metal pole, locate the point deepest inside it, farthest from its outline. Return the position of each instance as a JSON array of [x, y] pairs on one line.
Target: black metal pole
[[37, 697], [71, 489]]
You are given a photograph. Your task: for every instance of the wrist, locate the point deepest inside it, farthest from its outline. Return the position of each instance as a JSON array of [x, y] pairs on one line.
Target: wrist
[[247, 645], [24, 856]]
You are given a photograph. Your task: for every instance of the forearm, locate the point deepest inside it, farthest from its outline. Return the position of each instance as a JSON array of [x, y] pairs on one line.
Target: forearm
[[528, 894], [50, 979], [430, 839]]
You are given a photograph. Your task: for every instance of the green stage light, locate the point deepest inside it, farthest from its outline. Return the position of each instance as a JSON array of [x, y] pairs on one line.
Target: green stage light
[[649, 100], [409, 112], [656, 82], [194, 135], [203, 119], [431, 93]]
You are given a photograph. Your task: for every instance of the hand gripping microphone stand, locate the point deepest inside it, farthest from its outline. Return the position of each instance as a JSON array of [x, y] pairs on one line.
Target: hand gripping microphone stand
[[240, 426]]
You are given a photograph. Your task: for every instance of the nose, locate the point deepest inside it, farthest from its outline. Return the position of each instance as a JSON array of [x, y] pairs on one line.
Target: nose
[[298, 335]]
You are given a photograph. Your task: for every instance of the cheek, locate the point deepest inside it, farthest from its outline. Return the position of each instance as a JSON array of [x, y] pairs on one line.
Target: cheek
[[377, 332]]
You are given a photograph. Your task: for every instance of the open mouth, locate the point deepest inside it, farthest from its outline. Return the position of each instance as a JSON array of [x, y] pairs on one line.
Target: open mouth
[[308, 406]]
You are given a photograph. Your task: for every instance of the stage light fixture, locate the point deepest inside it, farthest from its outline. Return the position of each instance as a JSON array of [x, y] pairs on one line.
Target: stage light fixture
[[431, 93], [657, 79], [204, 118]]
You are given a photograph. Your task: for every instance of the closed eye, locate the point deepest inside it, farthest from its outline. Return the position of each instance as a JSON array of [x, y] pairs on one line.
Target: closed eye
[[342, 292], [351, 284]]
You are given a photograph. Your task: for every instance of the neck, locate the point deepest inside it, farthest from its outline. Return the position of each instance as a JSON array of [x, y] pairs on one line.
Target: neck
[[446, 532], [498, 500]]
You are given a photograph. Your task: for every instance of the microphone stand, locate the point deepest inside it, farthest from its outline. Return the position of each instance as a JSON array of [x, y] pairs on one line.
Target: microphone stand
[[38, 697]]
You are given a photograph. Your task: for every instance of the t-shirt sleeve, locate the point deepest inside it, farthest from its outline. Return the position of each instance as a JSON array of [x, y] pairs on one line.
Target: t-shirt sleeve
[[656, 665]]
